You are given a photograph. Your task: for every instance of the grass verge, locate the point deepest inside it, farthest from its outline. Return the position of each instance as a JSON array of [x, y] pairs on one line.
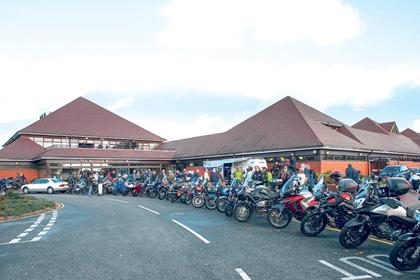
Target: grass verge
[[14, 205]]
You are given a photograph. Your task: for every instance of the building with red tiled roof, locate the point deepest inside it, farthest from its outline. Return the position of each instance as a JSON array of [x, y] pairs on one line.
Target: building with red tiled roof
[[81, 134], [291, 129]]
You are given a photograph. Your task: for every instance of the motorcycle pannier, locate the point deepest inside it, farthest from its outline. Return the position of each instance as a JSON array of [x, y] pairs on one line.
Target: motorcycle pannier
[[398, 186], [347, 185]]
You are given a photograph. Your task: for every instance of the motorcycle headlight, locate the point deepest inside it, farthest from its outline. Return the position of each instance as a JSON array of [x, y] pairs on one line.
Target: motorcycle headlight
[[358, 203]]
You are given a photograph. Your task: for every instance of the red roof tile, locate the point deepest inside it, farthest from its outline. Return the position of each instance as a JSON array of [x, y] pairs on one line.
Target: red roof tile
[[82, 117], [390, 127], [412, 135], [21, 149], [291, 124], [370, 125]]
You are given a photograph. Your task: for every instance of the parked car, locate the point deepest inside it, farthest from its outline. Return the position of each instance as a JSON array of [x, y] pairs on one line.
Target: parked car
[[395, 171], [49, 185]]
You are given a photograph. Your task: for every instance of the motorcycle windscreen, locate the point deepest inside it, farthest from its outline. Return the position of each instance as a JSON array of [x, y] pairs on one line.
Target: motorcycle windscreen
[[288, 185]]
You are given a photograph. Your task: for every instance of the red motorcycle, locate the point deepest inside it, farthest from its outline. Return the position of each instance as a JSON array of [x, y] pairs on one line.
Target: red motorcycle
[[294, 203]]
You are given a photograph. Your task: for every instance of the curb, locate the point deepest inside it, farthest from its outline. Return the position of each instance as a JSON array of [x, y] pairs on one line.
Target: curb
[[33, 214]]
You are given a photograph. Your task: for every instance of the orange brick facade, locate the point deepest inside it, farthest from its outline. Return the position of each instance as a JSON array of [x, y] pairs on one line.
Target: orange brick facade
[[30, 174]]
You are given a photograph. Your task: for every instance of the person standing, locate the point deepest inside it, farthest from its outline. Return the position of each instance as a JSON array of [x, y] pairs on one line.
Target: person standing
[[206, 175], [89, 183], [214, 177], [238, 174]]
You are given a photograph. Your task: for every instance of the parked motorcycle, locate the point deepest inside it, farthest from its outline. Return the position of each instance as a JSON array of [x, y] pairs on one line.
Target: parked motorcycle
[[120, 188], [405, 253], [295, 202], [335, 209], [255, 201], [163, 190], [378, 213]]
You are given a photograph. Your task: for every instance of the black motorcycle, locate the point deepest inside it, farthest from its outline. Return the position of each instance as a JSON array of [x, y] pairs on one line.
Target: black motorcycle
[[335, 210], [257, 200], [378, 213], [405, 254]]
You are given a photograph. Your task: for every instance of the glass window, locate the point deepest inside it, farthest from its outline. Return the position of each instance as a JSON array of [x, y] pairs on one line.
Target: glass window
[[47, 144], [57, 140], [43, 181], [56, 180]]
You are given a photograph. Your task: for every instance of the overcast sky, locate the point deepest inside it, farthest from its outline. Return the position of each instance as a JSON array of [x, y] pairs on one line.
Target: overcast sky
[[182, 68]]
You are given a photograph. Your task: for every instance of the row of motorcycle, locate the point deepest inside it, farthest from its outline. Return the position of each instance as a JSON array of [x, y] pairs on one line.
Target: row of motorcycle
[[358, 210]]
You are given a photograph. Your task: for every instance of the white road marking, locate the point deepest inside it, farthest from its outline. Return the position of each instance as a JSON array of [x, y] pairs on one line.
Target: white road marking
[[50, 224], [145, 208], [242, 274], [36, 238], [43, 233], [13, 241], [346, 273], [116, 200], [29, 230], [346, 261], [193, 232], [22, 234]]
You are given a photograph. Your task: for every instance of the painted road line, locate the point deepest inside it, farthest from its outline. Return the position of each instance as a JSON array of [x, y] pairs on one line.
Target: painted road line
[[29, 229], [150, 210], [116, 200], [36, 238], [193, 232], [242, 274], [346, 273]]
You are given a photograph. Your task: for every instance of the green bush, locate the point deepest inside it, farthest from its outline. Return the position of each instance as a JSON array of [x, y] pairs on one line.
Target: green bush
[[15, 204]]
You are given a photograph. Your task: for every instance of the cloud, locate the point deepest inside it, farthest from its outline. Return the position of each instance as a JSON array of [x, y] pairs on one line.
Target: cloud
[[226, 24], [121, 103], [30, 86], [416, 126]]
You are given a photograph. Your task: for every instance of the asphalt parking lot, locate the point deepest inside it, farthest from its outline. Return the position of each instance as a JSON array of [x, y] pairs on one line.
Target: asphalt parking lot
[[115, 237]]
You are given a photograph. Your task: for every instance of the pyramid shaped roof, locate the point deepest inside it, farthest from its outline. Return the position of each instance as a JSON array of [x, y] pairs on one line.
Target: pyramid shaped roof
[[84, 118], [291, 124]]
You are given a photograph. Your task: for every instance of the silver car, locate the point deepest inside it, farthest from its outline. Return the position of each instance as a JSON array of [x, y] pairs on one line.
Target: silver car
[[48, 185]]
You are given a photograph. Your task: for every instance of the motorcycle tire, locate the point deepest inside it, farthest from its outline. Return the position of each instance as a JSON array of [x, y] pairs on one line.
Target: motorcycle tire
[[243, 212], [229, 210], [125, 192], [114, 192], [185, 199], [172, 198], [313, 224], [221, 204], [135, 194], [198, 201], [162, 194], [279, 218], [152, 193], [211, 203], [143, 193], [351, 238], [401, 253]]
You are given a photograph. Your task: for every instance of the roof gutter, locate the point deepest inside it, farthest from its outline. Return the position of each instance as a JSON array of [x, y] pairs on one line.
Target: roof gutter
[[294, 150]]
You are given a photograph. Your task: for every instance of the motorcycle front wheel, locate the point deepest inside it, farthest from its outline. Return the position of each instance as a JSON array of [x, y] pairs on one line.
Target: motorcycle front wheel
[[313, 224], [198, 201], [153, 193], [210, 203], [221, 204], [403, 255], [162, 194], [279, 218], [354, 236], [243, 212]]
